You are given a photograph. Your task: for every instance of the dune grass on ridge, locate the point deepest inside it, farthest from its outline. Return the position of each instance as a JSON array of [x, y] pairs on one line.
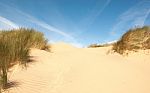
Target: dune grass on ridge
[[133, 39]]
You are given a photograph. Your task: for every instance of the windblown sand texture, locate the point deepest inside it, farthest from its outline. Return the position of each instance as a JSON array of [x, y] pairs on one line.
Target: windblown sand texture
[[67, 69]]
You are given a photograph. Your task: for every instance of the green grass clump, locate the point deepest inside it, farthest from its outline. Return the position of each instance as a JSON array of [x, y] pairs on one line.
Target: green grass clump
[[134, 39], [14, 49]]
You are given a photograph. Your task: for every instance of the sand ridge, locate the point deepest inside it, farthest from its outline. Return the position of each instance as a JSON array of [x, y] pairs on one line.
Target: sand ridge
[[67, 69]]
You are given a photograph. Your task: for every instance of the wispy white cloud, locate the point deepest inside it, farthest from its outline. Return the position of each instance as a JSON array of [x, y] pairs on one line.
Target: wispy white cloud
[[7, 23], [91, 17], [26, 18], [45, 25], [49, 27], [135, 16]]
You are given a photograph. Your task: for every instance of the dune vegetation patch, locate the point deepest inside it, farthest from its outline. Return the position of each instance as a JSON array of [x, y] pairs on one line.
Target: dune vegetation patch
[[15, 47], [100, 45], [133, 40]]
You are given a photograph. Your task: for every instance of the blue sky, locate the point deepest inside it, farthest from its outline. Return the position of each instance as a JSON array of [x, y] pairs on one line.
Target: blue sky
[[79, 22]]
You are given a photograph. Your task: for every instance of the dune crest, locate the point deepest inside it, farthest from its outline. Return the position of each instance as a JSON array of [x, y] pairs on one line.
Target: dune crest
[[83, 70]]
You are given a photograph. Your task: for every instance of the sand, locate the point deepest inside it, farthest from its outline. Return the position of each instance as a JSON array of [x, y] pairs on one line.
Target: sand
[[67, 69]]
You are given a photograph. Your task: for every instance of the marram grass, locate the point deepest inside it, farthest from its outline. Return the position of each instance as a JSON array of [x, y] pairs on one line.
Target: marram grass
[[134, 39], [14, 49]]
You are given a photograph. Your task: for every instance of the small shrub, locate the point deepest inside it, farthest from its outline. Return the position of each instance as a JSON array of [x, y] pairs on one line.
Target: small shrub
[[94, 46], [100, 45]]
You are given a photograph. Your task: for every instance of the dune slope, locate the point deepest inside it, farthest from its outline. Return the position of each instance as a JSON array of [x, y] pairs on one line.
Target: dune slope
[[83, 70]]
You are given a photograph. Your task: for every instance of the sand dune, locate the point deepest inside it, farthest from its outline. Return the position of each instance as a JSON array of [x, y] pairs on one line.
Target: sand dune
[[68, 69]]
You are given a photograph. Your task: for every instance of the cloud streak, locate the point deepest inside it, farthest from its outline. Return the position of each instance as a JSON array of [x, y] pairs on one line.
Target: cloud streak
[[135, 16], [45, 25], [7, 22], [28, 19], [97, 10], [48, 27]]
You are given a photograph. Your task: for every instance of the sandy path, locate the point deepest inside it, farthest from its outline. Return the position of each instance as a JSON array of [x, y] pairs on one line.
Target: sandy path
[[89, 70]]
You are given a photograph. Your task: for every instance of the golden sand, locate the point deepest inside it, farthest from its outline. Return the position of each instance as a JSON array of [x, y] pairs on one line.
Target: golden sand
[[68, 69]]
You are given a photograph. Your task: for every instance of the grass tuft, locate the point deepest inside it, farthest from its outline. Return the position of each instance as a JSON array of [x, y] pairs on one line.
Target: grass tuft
[[14, 49], [132, 40]]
